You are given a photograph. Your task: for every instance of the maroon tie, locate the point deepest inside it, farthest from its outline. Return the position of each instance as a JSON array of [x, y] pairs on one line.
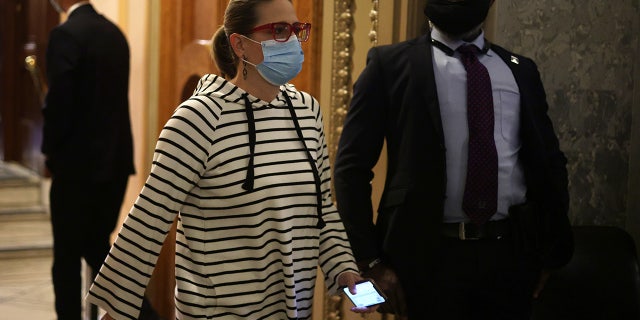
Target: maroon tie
[[481, 189]]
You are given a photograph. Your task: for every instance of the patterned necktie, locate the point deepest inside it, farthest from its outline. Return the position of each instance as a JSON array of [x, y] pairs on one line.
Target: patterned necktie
[[481, 189]]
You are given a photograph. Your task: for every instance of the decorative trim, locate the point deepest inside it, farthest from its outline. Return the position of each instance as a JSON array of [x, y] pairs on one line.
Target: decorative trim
[[341, 66], [373, 15], [341, 83]]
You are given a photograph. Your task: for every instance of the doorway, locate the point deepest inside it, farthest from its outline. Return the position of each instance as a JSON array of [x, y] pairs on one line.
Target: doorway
[[24, 26]]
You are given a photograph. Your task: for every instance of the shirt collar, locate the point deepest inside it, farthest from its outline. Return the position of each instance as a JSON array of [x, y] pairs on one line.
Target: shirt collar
[[76, 6], [438, 36]]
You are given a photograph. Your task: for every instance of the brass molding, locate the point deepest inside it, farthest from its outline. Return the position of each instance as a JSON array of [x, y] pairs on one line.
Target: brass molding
[[341, 83], [341, 67], [341, 90], [373, 15]]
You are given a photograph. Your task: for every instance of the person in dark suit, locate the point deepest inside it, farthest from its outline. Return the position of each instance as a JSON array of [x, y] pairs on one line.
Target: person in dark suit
[[87, 143], [427, 248]]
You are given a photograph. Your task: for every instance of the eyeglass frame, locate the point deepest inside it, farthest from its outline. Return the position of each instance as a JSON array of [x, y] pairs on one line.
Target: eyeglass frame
[[294, 28]]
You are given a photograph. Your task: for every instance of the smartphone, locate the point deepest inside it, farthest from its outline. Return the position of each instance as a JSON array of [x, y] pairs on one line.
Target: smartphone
[[367, 294]]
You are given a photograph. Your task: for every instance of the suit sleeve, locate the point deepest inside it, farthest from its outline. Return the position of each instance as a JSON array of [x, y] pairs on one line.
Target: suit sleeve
[[63, 54], [550, 188], [359, 148]]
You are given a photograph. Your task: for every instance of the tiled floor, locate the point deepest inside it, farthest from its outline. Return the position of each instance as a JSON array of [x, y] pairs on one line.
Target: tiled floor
[[26, 292], [25, 277]]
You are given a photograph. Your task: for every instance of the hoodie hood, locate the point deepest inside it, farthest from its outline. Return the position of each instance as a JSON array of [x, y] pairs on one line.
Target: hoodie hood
[[216, 86]]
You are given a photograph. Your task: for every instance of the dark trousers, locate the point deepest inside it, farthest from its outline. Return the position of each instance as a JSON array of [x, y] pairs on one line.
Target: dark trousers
[[475, 279], [83, 216]]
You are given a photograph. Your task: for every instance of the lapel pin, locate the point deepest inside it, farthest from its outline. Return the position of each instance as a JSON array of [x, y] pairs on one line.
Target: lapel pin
[[515, 60]]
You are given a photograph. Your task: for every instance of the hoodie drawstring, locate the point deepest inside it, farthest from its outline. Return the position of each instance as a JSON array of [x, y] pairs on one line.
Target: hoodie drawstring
[[248, 182], [312, 162]]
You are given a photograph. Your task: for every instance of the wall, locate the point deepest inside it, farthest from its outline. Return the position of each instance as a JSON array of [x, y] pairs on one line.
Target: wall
[[133, 19], [586, 51]]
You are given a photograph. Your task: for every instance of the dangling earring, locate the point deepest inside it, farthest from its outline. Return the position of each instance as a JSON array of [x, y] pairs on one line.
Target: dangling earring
[[244, 67]]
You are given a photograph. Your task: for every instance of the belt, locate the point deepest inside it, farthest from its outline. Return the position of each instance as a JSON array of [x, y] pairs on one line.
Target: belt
[[491, 230]]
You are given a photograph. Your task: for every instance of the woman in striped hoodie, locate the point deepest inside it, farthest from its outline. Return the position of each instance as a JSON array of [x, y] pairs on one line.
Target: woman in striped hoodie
[[243, 165]]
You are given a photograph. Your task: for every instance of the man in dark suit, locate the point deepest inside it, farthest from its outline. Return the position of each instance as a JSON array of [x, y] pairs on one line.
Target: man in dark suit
[[87, 143], [433, 253]]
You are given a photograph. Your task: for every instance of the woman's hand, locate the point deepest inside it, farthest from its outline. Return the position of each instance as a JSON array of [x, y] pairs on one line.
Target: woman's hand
[[349, 279]]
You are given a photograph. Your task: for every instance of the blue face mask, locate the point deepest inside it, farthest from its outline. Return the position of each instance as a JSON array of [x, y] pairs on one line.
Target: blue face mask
[[282, 60]]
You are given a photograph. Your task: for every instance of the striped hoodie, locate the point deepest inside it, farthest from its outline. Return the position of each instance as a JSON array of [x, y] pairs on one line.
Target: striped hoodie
[[249, 183]]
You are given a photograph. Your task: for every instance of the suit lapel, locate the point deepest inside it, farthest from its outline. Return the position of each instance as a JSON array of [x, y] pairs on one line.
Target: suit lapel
[[421, 61]]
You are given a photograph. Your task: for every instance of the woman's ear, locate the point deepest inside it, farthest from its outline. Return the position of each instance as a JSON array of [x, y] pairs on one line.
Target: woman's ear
[[235, 41]]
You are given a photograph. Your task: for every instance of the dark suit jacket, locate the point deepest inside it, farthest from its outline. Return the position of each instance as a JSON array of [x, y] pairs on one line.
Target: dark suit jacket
[[87, 130], [395, 99]]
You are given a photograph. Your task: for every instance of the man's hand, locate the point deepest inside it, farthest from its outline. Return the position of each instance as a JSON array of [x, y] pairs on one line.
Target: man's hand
[[389, 283], [544, 276]]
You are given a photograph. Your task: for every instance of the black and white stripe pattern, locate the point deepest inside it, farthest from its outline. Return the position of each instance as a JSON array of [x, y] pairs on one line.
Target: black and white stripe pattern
[[239, 254]]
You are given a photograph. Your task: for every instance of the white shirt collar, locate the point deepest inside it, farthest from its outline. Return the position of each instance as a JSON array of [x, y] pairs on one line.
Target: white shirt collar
[[454, 44]]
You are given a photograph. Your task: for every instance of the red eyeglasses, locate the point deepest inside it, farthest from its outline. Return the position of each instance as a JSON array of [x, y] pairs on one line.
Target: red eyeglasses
[[282, 31]]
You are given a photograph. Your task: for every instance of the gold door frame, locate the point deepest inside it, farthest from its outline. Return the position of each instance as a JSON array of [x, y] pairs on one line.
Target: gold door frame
[[341, 84], [341, 69]]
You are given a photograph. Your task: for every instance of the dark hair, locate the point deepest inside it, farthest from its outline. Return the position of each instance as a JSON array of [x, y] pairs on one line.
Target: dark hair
[[239, 17]]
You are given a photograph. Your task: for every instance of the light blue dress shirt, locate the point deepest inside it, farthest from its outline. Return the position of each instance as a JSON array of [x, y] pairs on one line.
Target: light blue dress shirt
[[451, 79]]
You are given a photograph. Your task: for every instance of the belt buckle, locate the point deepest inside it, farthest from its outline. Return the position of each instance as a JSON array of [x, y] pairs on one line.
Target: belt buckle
[[462, 232]]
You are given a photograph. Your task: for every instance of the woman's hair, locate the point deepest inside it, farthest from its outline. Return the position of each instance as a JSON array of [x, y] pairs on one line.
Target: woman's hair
[[240, 17]]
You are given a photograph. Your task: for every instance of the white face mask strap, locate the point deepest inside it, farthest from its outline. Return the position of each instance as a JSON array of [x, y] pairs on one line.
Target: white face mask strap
[[254, 41], [244, 60], [243, 57]]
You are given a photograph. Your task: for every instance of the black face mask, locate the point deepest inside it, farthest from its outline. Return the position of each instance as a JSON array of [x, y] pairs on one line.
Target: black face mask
[[457, 17]]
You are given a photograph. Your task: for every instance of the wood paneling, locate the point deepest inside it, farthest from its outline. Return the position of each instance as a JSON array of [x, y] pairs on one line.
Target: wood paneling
[[186, 29], [309, 78]]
